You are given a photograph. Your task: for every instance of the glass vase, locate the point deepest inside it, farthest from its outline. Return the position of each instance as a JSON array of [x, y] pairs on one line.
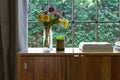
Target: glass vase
[[47, 39]]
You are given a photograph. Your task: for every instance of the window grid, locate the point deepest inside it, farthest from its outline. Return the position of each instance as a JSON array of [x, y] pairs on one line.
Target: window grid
[[96, 22], [119, 12], [73, 23], [96, 25]]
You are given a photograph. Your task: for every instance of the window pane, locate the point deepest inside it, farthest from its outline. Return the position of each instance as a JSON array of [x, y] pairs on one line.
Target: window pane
[[84, 10], [108, 32], [108, 10], [59, 30], [35, 7], [63, 5], [35, 35], [84, 32]]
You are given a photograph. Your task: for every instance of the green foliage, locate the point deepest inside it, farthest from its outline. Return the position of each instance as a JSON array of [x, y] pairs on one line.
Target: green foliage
[[84, 10], [60, 38]]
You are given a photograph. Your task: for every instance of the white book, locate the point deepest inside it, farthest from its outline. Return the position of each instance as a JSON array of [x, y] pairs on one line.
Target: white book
[[96, 46], [94, 50]]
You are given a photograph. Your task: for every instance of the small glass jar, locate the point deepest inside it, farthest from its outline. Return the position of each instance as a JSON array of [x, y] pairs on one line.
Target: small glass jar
[[60, 43]]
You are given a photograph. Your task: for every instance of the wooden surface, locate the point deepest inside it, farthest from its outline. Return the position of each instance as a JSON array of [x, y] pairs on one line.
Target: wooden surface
[[26, 73], [67, 51], [73, 68], [96, 68], [57, 68], [49, 68], [71, 64], [115, 68]]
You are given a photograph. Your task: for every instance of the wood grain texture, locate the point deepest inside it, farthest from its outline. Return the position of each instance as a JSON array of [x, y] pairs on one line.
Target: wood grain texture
[[96, 68], [19, 67], [26, 73], [73, 68], [49, 68], [115, 68], [68, 65]]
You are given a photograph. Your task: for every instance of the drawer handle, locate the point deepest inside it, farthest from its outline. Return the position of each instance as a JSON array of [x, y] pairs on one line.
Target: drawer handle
[[76, 55], [82, 55], [25, 66]]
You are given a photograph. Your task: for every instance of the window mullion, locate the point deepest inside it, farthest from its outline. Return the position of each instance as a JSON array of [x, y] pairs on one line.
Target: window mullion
[[73, 23], [49, 3], [96, 26], [119, 10]]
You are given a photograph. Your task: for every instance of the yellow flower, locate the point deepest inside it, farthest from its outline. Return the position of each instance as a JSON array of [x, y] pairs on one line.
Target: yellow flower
[[64, 22], [46, 18], [40, 17], [60, 20]]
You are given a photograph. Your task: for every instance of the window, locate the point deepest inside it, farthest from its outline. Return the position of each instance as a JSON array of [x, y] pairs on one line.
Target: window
[[89, 20]]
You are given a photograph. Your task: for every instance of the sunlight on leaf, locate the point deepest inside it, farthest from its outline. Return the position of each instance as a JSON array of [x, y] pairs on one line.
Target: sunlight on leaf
[[90, 2], [37, 0], [63, 1]]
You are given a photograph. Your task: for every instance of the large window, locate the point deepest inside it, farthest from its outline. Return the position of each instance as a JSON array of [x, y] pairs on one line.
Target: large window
[[89, 20]]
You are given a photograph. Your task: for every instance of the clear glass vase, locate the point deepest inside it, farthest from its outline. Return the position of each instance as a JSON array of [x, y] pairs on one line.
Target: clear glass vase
[[47, 39]]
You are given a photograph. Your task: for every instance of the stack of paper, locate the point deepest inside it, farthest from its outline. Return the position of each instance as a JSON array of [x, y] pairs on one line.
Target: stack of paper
[[96, 47], [117, 45]]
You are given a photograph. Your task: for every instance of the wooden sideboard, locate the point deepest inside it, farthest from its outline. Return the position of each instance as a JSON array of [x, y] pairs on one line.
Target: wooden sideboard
[[70, 64]]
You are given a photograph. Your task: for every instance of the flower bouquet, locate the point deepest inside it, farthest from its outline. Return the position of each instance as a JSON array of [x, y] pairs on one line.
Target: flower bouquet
[[49, 18]]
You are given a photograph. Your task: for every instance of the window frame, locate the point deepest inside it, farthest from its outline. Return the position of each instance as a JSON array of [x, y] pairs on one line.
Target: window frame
[[96, 22]]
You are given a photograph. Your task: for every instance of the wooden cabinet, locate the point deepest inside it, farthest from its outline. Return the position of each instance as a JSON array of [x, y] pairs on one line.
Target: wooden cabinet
[[25, 68], [115, 67], [57, 68], [96, 67], [49, 68], [73, 68], [68, 66]]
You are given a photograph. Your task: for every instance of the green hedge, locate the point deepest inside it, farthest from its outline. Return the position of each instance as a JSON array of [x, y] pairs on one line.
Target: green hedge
[[84, 10]]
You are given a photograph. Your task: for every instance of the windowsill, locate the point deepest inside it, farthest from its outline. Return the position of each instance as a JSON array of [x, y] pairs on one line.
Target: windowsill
[[67, 50]]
